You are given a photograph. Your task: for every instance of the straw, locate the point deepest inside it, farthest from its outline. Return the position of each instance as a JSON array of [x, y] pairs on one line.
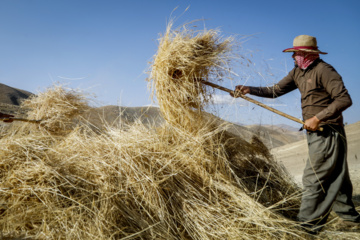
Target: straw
[[65, 180], [185, 56]]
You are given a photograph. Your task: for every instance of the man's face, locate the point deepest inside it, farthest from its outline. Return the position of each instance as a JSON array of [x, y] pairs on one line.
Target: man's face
[[297, 54], [293, 56]]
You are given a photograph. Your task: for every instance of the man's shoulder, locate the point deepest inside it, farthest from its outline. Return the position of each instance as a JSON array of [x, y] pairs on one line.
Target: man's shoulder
[[295, 71], [326, 71], [322, 65]]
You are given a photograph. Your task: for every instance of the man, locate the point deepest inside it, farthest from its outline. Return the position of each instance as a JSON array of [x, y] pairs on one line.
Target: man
[[326, 181]]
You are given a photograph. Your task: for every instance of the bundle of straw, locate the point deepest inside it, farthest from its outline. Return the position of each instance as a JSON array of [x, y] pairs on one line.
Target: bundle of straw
[[57, 108], [184, 57]]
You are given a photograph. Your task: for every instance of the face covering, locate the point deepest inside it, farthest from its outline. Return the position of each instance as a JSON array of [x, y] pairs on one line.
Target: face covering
[[304, 59]]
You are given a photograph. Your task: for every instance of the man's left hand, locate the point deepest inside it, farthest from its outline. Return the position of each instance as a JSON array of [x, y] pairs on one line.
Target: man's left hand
[[312, 124]]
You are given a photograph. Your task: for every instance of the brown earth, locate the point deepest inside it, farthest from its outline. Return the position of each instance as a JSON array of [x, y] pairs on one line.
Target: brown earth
[[12, 96]]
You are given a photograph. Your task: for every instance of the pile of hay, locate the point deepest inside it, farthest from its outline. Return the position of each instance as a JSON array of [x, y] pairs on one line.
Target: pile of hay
[[57, 108], [134, 183], [64, 180], [185, 57]]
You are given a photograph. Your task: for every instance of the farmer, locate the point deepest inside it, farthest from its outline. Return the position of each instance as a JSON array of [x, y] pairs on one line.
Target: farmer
[[6, 116], [326, 181]]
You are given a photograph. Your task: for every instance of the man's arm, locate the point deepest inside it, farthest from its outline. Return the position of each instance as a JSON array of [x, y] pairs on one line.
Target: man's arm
[[334, 85], [286, 85]]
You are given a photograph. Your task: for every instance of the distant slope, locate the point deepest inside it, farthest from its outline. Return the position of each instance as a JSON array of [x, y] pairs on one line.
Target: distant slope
[[116, 115], [277, 135], [272, 136], [12, 96]]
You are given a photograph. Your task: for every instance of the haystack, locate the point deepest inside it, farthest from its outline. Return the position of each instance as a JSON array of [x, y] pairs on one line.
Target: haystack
[[57, 108], [63, 180], [186, 56], [133, 183]]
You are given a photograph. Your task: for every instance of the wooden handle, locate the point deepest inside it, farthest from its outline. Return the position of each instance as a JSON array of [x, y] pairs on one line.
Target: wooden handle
[[20, 119], [238, 94]]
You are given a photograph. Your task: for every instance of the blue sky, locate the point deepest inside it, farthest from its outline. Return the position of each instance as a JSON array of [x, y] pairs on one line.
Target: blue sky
[[104, 46]]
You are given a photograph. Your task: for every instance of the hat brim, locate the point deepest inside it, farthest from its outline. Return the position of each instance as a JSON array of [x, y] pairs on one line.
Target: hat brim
[[304, 50]]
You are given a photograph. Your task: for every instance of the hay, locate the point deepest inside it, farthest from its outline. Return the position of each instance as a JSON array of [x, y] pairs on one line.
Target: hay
[[184, 57], [136, 183], [64, 180], [140, 183], [57, 108]]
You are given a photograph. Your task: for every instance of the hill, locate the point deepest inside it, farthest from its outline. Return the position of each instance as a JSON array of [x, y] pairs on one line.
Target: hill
[[116, 115], [272, 136], [12, 96]]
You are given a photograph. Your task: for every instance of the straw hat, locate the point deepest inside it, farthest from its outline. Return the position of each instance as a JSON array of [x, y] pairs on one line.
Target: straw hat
[[304, 43]]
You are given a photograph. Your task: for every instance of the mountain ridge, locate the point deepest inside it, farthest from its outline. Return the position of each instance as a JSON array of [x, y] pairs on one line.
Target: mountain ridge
[[272, 135]]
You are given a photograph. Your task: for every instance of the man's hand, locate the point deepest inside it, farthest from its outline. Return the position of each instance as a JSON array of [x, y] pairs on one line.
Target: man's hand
[[241, 89], [7, 116], [312, 124]]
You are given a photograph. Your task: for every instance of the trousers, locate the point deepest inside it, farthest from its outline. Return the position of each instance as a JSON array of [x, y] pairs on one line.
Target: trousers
[[326, 179]]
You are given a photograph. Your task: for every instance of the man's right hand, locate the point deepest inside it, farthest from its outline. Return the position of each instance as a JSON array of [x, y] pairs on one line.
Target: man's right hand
[[241, 89]]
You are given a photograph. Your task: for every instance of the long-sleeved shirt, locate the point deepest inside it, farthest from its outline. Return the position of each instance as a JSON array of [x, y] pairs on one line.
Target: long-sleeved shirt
[[323, 93]]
